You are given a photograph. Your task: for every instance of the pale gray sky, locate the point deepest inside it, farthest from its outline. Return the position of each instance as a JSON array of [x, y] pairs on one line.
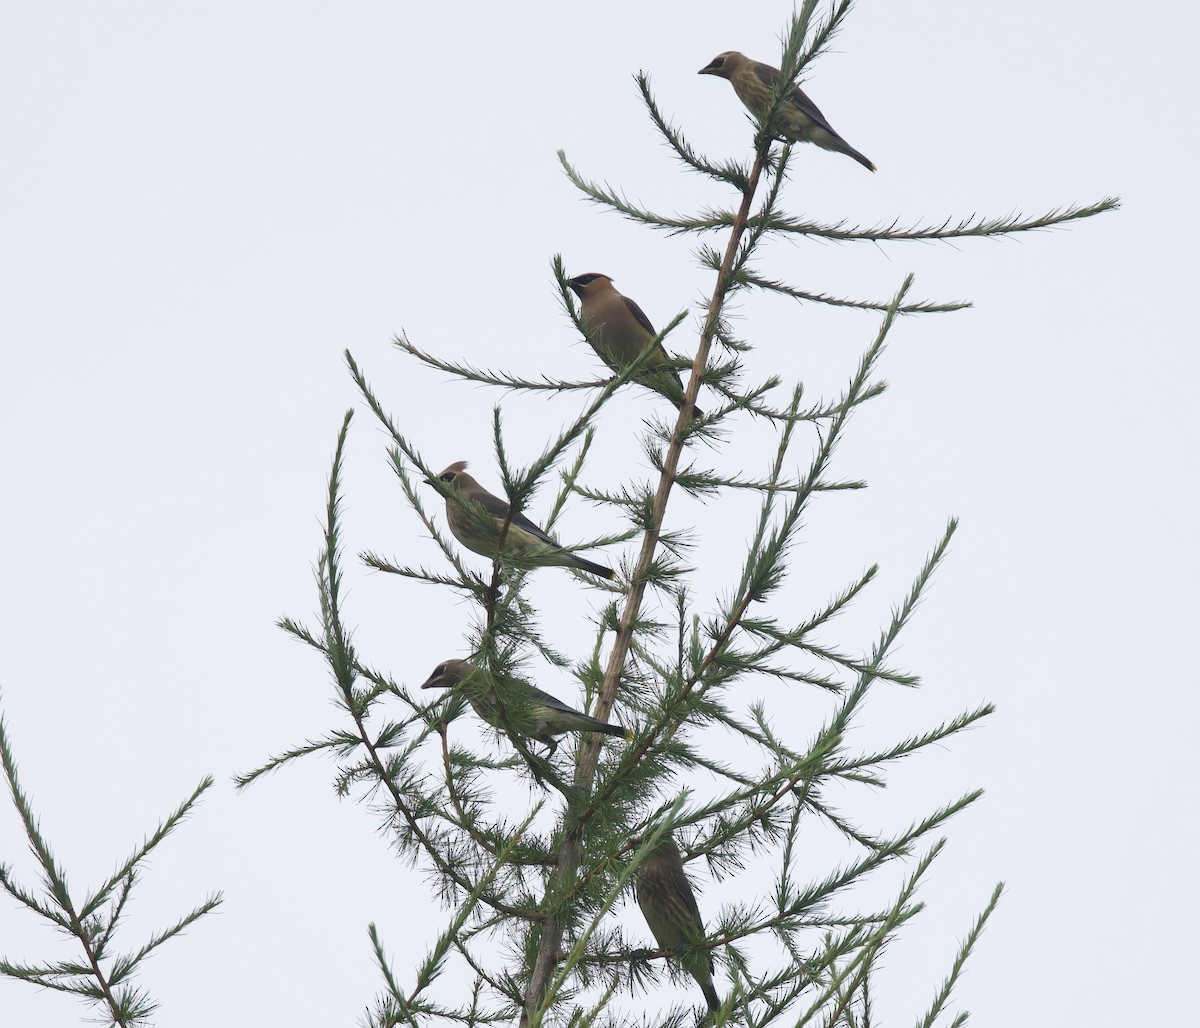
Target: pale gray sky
[[204, 207]]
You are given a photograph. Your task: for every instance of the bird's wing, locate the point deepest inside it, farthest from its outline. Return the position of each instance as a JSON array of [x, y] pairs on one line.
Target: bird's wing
[[551, 701], [555, 702], [768, 76], [498, 509], [684, 887], [639, 316]]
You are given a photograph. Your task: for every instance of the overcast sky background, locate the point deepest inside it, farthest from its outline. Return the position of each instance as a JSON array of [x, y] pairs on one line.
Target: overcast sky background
[[204, 207]]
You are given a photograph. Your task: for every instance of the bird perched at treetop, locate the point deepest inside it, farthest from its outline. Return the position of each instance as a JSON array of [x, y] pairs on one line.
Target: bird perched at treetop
[[478, 529], [619, 332], [799, 120], [669, 906], [505, 702]]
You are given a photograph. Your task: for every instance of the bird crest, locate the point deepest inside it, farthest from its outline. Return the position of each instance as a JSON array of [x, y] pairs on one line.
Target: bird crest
[[453, 471]]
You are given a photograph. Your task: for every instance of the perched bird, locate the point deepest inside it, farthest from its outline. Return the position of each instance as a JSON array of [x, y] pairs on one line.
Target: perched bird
[[669, 906], [523, 540], [509, 702], [799, 120], [619, 332]]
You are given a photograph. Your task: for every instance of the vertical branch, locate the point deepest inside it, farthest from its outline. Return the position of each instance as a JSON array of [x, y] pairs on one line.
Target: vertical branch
[[570, 855]]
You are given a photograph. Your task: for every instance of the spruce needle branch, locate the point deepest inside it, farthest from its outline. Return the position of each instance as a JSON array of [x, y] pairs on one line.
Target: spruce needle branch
[[432, 965], [127, 1006], [960, 959], [864, 960]]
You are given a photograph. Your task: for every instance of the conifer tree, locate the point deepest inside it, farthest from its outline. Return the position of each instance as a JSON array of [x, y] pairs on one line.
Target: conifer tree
[[533, 852], [531, 891]]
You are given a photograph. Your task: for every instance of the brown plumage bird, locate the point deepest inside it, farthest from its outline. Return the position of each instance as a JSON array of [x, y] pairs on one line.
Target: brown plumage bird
[[665, 895], [799, 119], [619, 332], [479, 529], [501, 701]]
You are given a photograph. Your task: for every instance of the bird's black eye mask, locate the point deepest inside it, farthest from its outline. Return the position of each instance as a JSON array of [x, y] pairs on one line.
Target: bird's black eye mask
[[718, 62], [449, 476], [585, 280]]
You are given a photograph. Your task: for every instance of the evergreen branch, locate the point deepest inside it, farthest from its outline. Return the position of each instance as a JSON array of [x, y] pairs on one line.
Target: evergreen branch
[[127, 1007], [337, 741], [964, 951], [920, 307], [19, 893], [53, 876], [910, 745], [605, 196], [844, 826], [401, 1007], [115, 912], [378, 563], [840, 231], [486, 376], [403, 446], [870, 672], [380, 682], [102, 894], [864, 960], [467, 822], [432, 965], [728, 171], [47, 977], [897, 846], [821, 38], [505, 990], [949, 228], [858, 667], [125, 966], [763, 571], [569, 480]]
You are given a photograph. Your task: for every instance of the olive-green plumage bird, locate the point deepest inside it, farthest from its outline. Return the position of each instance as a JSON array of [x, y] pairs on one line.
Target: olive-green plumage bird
[[619, 332], [523, 540], [669, 906], [799, 119], [505, 702]]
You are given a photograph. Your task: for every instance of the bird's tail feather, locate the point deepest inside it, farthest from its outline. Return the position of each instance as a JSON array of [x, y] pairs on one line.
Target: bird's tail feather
[[849, 151], [618, 730], [596, 569]]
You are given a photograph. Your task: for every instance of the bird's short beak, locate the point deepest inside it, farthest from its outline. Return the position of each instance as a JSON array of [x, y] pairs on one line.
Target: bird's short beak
[[434, 683], [708, 69]]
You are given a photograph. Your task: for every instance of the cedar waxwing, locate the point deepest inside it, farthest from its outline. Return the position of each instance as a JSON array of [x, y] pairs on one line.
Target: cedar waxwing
[[502, 701], [619, 332], [799, 120], [669, 906], [523, 540]]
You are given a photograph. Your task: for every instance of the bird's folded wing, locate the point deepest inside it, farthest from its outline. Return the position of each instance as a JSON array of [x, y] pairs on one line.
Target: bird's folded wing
[[639, 315], [768, 76], [498, 509], [684, 887]]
